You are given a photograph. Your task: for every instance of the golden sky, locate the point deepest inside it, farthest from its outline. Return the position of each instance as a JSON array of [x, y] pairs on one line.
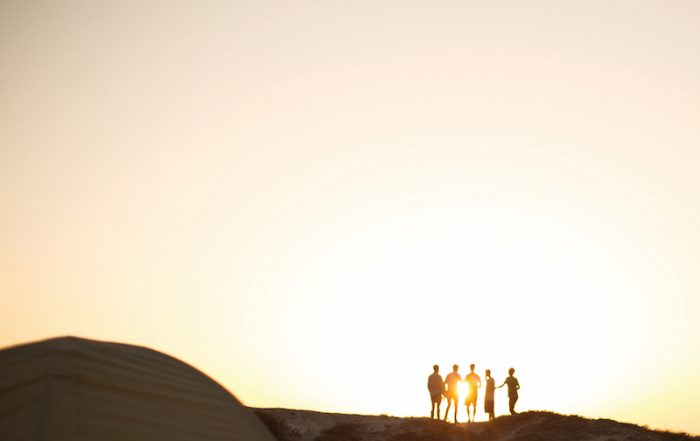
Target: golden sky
[[315, 201]]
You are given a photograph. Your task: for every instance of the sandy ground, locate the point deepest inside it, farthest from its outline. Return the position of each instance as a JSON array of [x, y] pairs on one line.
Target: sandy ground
[[301, 425]]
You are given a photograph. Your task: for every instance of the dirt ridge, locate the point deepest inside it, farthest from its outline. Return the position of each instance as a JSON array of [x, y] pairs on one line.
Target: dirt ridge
[[305, 425]]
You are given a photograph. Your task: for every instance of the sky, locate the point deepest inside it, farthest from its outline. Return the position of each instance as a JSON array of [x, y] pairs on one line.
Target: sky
[[315, 201]]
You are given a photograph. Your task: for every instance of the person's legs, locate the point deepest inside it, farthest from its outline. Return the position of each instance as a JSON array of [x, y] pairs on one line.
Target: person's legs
[[449, 404], [488, 409], [511, 404], [471, 406], [466, 405], [435, 403], [456, 408]]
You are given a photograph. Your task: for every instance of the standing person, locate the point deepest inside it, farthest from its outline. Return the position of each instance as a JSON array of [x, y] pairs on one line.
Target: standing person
[[436, 388], [452, 381], [474, 383], [513, 387], [489, 396]]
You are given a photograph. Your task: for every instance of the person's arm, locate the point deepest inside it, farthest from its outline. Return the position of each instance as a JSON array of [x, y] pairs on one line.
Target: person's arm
[[517, 385], [504, 383]]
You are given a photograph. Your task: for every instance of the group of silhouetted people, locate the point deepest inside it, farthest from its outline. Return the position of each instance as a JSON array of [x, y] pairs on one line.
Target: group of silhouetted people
[[448, 389]]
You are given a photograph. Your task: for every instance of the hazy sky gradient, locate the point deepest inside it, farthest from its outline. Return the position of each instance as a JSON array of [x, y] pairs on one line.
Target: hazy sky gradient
[[315, 201]]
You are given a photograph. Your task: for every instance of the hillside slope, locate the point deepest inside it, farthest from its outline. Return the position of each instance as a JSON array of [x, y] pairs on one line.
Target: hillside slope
[[299, 425]]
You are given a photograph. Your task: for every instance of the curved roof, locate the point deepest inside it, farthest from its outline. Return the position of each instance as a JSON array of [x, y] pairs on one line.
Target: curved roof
[[76, 389]]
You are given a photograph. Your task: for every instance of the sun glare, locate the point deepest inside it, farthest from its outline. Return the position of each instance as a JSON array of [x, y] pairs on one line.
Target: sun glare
[[463, 389], [458, 288]]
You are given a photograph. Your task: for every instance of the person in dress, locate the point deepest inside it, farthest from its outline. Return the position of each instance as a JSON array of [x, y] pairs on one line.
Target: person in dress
[[489, 395]]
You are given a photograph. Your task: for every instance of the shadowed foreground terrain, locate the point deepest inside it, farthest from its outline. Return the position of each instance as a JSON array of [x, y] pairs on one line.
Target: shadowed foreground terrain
[[301, 425]]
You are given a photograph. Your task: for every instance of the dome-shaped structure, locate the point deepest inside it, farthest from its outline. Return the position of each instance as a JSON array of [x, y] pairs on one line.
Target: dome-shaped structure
[[75, 389]]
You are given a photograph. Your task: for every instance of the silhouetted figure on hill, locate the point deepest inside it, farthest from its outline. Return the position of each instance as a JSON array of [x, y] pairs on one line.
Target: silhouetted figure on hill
[[452, 381], [513, 387], [489, 396], [474, 384], [436, 387]]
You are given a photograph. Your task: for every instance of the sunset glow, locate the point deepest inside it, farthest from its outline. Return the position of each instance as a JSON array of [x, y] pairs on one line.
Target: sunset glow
[[315, 202]]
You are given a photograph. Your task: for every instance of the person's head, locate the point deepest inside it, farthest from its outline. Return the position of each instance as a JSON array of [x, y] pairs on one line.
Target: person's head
[[471, 367], [488, 373], [436, 368], [511, 371], [455, 368]]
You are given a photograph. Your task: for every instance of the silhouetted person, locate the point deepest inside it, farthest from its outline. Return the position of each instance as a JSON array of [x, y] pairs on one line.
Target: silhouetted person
[[513, 387], [489, 396], [436, 388], [452, 381], [474, 383]]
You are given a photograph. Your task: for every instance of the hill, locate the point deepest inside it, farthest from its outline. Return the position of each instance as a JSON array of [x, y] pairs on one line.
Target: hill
[[300, 425]]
